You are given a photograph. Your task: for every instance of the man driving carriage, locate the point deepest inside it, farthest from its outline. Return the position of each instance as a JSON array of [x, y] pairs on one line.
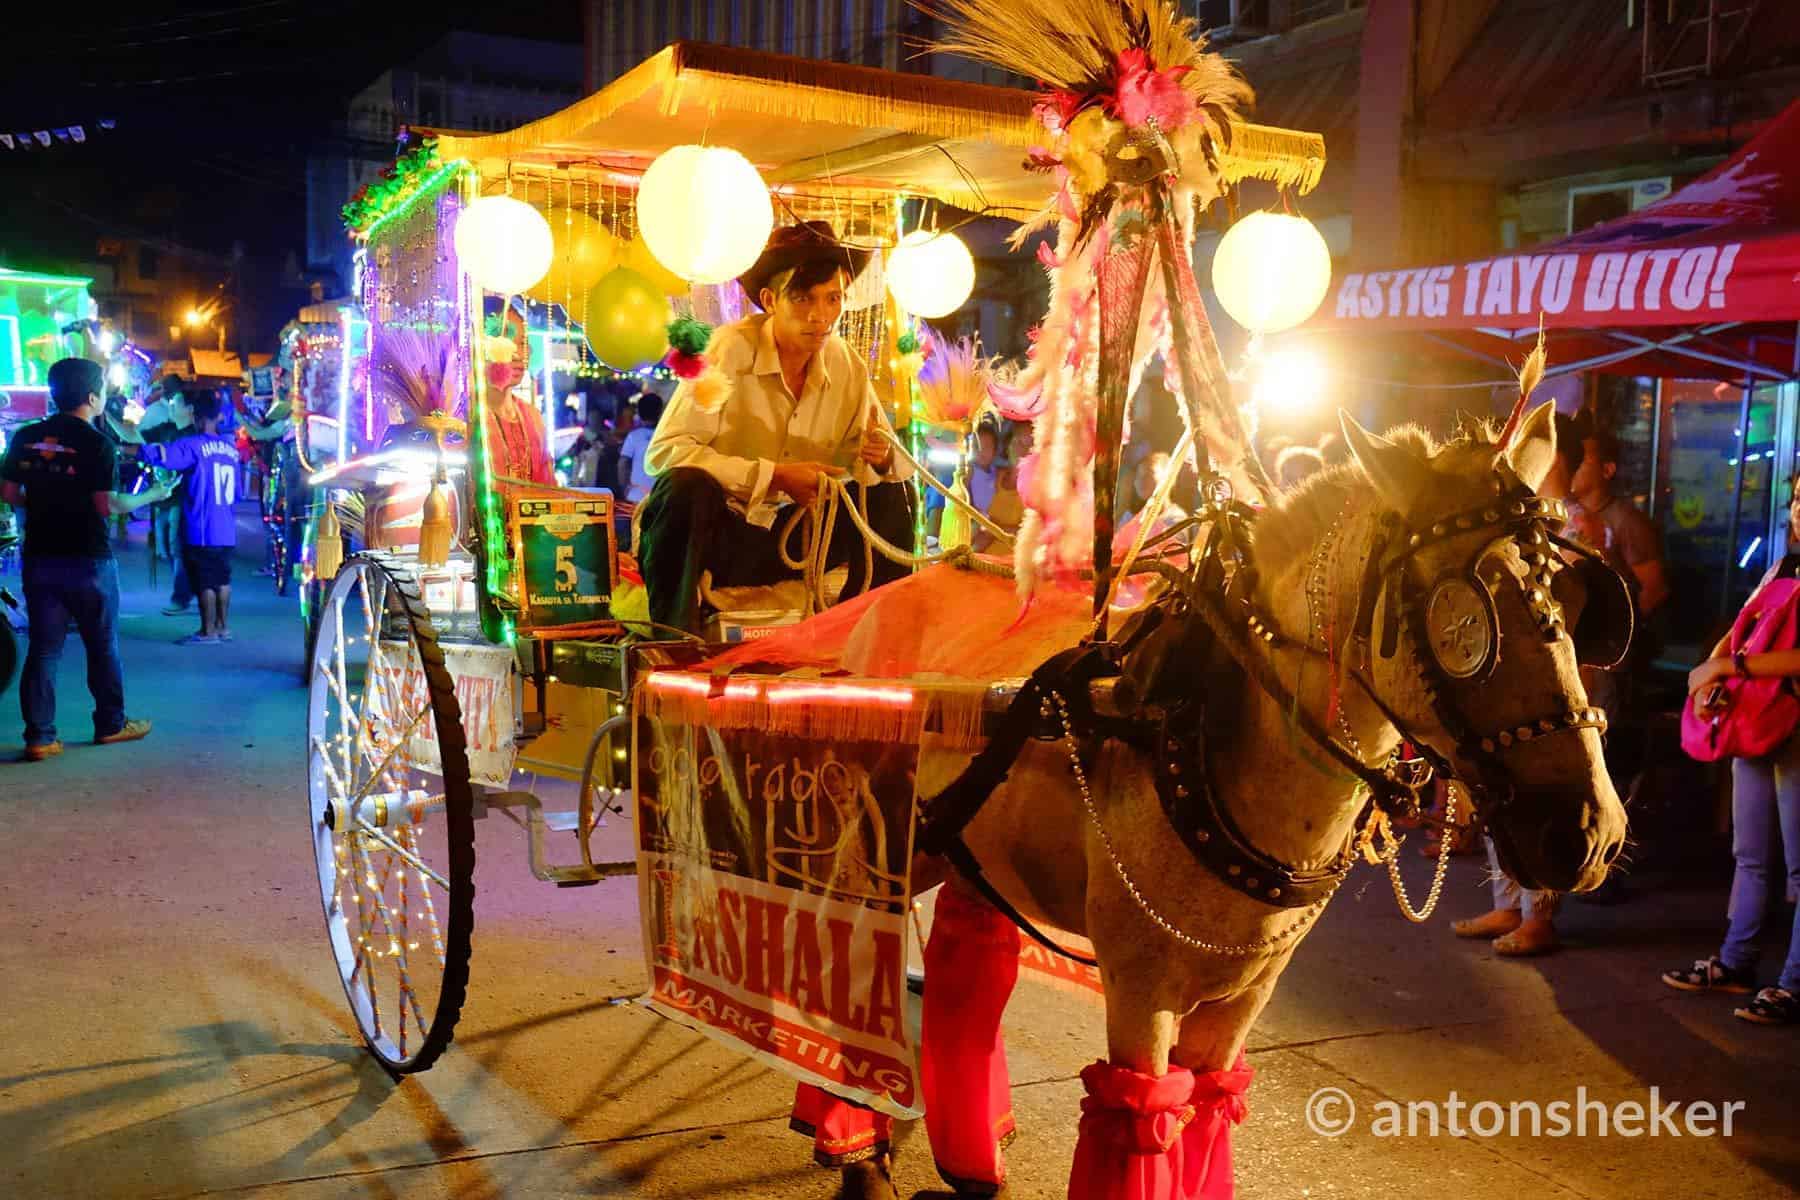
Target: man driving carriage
[[785, 406]]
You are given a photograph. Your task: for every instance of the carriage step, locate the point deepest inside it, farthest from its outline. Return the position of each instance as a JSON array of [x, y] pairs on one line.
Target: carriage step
[[576, 882]]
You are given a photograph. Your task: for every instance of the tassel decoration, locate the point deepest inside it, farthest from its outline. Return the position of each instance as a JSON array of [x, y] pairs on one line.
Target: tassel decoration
[[434, 525], [688, 339], [955, 532], [328, 548]]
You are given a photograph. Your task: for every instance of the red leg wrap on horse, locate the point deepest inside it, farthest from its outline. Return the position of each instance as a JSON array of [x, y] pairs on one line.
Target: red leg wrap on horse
[[1150, 1138], [842, 1132], [971, 965]]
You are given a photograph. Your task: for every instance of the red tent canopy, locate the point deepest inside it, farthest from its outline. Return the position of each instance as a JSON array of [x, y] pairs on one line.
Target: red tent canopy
[[1702, 283]]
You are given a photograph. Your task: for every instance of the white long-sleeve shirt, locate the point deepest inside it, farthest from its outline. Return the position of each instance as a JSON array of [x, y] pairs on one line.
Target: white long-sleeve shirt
[[762, 423]]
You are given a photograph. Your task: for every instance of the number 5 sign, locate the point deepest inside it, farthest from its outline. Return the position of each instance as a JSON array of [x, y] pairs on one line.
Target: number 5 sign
[[566, 559]]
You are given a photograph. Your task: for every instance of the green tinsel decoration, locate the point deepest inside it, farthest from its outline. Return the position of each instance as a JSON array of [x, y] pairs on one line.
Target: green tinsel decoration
[[395, 186], [689, 335]]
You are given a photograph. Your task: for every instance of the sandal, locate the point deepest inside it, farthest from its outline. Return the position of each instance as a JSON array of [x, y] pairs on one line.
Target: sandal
[[1772, 1006], [1528, 941], [1499, 923], [1712, 975]]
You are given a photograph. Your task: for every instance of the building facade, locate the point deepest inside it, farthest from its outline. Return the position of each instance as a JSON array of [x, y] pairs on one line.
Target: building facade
[[464, 81], [890, 34], [1460, 130]]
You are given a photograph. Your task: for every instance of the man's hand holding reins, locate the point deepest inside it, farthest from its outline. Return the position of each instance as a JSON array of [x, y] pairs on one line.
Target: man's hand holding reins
[[800, 480], [876, 450]]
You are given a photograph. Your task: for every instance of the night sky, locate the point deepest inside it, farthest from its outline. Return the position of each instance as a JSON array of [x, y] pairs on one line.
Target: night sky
[[215, 104]]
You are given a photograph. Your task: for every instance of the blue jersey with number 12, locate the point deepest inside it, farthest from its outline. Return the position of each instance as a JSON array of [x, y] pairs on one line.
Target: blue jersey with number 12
[[210, 464]]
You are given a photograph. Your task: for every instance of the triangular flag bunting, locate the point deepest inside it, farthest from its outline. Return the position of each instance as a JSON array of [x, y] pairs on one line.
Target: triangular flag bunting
[[77, 133]]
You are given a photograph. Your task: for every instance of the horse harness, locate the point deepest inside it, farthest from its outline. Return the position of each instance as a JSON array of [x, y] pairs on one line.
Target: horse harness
[[1205, 625]]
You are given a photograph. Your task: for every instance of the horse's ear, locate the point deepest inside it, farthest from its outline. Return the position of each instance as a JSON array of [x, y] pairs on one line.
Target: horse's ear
[[1533, 447], [1392, 469]]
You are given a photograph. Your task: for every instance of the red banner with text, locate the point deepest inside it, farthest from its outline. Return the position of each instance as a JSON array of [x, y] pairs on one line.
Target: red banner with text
[[1722, 248], [773, 884]]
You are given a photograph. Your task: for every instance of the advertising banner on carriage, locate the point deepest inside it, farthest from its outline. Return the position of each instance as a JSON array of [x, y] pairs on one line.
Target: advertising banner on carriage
[[773, 883], [483, 678]]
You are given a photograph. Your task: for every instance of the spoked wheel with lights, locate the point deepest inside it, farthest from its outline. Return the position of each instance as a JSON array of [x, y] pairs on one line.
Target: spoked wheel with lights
[[391, 811]]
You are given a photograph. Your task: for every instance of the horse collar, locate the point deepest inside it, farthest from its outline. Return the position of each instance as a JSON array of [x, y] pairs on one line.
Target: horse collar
[[1184, 786]]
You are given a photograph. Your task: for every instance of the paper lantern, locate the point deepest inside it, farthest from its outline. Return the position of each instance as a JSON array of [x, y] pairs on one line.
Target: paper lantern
[[704, 212], [636, 257], [1271, 271], [628, 320], [930, 274], [584, 253], [504, 244]]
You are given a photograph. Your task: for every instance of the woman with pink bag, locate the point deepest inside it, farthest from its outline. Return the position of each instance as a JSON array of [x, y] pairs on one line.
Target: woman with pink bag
[[1728, 710]]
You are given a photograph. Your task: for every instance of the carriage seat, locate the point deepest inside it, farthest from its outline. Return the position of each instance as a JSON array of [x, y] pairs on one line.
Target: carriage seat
[[743, 613]]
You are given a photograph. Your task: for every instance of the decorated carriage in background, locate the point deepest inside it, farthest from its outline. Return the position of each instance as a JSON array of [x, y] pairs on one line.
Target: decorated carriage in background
[[481, 649]]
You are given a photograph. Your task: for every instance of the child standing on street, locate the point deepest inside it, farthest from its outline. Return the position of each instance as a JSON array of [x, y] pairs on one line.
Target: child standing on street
[[208, 462]]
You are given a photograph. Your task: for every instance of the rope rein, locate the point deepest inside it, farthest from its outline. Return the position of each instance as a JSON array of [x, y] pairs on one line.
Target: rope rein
[[833, 500]]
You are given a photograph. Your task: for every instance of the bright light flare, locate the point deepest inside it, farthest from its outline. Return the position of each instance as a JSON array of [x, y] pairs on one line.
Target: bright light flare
[[117, 376], [1291, 381]]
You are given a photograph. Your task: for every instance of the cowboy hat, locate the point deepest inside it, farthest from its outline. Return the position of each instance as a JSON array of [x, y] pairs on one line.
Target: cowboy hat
[[795, 245]]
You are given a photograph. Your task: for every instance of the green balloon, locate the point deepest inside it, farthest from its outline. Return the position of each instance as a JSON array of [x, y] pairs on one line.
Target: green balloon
[[628, 320]]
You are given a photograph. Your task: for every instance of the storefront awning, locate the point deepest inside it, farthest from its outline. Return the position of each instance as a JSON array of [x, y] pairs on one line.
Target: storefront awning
[[1704, 283]]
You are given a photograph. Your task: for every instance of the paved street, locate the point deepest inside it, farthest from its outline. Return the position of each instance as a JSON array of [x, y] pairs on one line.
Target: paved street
[[171, 1024]]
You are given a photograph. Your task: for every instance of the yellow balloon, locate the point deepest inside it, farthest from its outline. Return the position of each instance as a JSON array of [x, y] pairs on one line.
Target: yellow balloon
[[628, 320], [584, 253], [637, 257]]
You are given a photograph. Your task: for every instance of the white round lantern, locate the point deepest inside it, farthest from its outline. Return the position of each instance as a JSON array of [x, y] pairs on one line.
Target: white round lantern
[[1271, 271], [504, 244], [704, 212], [930, 274]]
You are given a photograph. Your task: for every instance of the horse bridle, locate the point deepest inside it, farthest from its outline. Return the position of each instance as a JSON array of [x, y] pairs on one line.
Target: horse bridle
[[1451, 624]]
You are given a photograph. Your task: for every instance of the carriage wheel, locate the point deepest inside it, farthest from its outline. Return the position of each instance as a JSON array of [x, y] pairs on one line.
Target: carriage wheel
[[393, 830]]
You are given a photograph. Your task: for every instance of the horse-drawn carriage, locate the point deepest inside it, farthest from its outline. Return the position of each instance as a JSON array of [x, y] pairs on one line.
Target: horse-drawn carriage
[[773, 786]]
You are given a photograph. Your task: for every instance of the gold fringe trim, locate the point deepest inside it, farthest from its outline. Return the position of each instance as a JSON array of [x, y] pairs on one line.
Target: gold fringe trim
[[953, 712], [1288, 158]]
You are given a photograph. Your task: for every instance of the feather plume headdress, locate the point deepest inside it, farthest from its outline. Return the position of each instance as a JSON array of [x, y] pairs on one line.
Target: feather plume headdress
[[1130, 91], [408, 370], [953, 385], [1135, 113]]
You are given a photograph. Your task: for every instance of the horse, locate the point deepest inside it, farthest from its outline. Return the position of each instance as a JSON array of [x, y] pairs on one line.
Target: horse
[[1188, 957]]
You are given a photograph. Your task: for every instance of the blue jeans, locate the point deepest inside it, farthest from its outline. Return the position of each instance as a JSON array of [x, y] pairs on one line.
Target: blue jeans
[[165, 527], [58, 591], [1765, 804]]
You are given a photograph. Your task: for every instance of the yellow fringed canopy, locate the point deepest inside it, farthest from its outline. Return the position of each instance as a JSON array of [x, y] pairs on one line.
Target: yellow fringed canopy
[[802, 120]]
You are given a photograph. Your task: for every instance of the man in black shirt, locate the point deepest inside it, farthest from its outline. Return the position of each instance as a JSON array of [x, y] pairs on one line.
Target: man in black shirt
[[63, 473]]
